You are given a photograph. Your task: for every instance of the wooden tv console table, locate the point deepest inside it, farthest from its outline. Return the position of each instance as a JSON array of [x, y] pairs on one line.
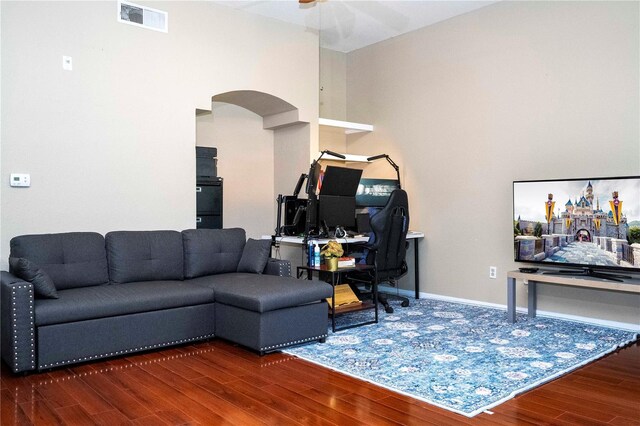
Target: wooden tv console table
[[628, 286]]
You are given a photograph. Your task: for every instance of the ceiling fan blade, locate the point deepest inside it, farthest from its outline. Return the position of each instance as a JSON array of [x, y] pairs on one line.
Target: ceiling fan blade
[[338, 18]]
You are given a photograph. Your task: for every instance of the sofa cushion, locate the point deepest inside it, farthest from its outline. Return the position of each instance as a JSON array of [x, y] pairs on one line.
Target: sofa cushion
[[73, 259], [263, 293], [144, 256], [255, 256], [212, 251], [110, 300], [25, 269]]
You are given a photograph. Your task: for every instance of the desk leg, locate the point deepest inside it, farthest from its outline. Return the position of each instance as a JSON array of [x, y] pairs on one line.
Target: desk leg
[[532, 299], [511, 300], [416, 267]]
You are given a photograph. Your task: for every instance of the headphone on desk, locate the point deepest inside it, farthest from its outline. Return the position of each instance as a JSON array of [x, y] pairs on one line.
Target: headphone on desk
[[340, 232]]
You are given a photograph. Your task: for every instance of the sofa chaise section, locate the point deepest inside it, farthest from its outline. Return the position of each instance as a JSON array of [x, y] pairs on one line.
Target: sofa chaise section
[[267, 313], [262, 312]]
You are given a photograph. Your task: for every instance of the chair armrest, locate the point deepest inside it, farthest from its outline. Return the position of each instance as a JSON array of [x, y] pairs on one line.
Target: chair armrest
[[17, 323], [281, 268]]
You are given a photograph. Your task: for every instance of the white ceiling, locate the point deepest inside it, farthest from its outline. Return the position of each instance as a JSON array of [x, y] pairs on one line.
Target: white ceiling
[[347, 25]]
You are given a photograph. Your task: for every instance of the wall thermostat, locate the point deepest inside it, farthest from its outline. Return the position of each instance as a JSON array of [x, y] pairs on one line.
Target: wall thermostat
[[20, 179]]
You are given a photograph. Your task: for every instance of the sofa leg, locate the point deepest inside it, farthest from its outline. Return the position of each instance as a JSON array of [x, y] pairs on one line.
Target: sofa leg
[[323, 340]]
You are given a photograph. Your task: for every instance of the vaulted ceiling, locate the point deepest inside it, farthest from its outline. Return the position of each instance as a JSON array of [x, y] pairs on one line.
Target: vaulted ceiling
[[347, 25]]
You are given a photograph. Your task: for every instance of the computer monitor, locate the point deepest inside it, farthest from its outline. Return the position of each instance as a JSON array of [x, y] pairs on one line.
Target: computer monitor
[[340, 181], [337, 211], [375, 192]]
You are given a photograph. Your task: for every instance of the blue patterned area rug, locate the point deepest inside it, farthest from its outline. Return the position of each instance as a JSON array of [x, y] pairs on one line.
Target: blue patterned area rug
[[460, 357]]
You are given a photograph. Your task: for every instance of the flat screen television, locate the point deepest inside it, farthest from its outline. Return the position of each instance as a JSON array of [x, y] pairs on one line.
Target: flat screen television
[[588, 225]]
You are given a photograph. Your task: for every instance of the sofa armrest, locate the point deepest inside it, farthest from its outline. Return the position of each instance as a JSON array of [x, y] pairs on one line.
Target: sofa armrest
[[281, 268], [17, 323]]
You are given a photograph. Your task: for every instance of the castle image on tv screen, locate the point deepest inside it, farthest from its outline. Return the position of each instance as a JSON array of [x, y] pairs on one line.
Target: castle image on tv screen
[[586, 223]]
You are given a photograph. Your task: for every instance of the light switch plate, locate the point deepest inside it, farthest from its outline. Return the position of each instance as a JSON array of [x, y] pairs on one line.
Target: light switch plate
[[67, 63]]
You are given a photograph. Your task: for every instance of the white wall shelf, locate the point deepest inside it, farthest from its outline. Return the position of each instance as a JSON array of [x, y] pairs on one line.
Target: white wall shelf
[[348, 158], [348, 127]]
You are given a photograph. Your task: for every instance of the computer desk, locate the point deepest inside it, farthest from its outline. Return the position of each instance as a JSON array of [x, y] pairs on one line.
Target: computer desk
[[411, 236]]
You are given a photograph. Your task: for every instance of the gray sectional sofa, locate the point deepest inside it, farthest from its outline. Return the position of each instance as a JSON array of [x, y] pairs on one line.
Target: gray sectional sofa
[[138, 290]]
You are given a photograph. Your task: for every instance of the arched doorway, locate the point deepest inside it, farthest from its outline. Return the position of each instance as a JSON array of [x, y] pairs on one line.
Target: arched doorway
[[260, 141], [260, 103], [291, 134], [583, 236]]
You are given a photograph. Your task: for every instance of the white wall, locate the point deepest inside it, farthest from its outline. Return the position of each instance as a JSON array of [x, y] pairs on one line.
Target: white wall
[[110, 145], [333, 80], [516, 90]]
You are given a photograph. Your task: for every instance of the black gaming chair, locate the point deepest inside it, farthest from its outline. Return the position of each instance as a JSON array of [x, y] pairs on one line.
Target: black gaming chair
[[388, 248]]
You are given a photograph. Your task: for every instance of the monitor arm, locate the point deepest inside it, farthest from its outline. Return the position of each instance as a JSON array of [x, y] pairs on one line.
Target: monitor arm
[[301, 180], [312, 197]]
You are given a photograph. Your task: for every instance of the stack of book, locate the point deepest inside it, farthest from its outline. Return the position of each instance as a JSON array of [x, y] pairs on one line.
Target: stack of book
[[345, 262]]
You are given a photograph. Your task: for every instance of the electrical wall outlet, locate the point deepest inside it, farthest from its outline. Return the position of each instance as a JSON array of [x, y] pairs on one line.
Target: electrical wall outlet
[[493, 272]]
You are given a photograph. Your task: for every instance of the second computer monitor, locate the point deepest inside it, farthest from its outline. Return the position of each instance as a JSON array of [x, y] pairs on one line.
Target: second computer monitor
[[336, 210]]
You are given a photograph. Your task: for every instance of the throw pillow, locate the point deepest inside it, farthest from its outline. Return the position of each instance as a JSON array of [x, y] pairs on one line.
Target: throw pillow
[[255, 256], [26, 270]]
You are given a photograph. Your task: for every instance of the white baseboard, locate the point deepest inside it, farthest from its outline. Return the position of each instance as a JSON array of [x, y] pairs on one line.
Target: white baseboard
[[596, 321]]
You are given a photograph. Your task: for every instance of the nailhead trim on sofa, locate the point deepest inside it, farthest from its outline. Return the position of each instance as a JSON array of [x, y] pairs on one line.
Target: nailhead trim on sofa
[[293, 342], [141, 348], [14, 326]]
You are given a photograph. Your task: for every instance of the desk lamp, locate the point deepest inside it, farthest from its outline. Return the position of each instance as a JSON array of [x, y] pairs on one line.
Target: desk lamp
[[394, 165]]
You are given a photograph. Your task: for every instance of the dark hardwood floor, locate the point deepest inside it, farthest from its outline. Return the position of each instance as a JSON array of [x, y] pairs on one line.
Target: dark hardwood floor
[[215, 383]]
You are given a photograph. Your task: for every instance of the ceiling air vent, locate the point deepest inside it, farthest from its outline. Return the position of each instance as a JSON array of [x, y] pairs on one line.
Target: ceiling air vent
[[142, 16]]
